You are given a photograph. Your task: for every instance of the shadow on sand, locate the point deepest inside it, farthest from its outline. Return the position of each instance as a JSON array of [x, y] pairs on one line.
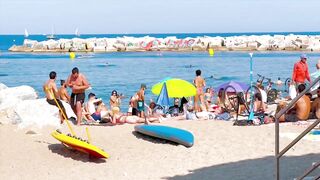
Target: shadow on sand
[[262, 168], [154, 140], [73, 154]]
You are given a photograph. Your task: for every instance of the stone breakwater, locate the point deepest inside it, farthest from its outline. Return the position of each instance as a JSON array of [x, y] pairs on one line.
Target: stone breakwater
[[234, 43]]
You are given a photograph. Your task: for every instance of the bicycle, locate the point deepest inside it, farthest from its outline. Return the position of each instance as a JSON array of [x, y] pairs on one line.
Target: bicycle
[[238, 101], [272, 93]]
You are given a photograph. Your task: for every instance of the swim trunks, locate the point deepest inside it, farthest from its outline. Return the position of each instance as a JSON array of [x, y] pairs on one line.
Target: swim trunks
[[140, 106], [291, 118], [96, 116], [75, 97], [53, 102]]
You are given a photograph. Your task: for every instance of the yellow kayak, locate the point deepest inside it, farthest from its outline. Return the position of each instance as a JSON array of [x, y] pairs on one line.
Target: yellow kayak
[[79, 145]]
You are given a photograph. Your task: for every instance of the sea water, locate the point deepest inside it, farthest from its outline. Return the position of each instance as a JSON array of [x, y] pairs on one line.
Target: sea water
[[125, 71]]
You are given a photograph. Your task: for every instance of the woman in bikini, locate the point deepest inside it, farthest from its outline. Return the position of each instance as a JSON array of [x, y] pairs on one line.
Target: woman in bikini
[[118, 118], [200, 83]]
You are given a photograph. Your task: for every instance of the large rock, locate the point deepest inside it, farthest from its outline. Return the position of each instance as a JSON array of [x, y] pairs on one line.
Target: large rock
[[3, 86], [10, 97], [38, 112]]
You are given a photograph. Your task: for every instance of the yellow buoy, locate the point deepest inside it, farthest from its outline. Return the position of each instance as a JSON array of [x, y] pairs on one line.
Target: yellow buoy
[[72, 55], [211, 52]]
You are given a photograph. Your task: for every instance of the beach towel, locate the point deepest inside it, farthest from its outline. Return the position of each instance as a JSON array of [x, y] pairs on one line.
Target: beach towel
[[224, 116]]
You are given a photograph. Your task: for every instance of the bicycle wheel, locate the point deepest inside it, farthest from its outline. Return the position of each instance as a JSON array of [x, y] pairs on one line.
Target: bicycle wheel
[[231, 100], [251, 91], [272, 95]]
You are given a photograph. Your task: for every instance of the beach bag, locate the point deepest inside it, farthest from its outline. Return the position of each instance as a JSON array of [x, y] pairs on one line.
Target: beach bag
[[292, 91]]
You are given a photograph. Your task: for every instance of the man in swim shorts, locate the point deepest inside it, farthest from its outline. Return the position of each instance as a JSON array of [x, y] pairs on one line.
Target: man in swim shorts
[[300, 111], [78, 83], [51, 91], [140, 100]]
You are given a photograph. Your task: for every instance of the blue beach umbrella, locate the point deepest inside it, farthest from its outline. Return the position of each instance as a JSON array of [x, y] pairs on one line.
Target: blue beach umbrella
[[163, 98]]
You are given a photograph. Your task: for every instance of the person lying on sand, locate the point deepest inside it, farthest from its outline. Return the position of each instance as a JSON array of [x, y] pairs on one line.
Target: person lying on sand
[[118, 118]]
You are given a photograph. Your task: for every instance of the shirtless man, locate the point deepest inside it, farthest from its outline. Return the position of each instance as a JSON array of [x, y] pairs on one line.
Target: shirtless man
[[315, 106], [200, 84], [63, 92], [78, 83], [140, 100], [51, 92], [300, 111]]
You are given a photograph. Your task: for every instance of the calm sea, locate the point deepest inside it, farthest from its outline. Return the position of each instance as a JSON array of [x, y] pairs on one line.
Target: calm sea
[[125, 71]]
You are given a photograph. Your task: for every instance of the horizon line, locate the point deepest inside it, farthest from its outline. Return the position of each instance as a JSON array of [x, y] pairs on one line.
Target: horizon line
[[258, 32]]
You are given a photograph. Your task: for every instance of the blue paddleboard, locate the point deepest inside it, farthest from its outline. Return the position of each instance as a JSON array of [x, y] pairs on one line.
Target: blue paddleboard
[[168, 133]]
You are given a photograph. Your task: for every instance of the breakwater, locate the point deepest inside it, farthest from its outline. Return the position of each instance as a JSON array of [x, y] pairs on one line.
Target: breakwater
[[289, 42]]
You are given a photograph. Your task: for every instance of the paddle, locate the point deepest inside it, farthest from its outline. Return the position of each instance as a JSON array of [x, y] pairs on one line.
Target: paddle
[[251, 115]]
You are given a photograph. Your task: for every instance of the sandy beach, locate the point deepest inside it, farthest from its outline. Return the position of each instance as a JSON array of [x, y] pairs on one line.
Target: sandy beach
[[221, 151]]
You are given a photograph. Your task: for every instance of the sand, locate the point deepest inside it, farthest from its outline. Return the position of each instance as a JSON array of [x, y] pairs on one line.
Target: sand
[[221, 151]]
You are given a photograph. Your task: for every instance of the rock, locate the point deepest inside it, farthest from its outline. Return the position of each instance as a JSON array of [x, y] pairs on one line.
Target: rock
[[9, 98], [39, 112], [99, 49], [12, 95], [3, 86]]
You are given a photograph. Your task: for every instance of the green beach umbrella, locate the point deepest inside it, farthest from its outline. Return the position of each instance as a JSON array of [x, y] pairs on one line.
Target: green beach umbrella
[[177, 88]]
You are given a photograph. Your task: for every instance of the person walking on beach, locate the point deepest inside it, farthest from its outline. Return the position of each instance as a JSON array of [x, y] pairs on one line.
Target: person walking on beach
[[200, 83], [63, 93], [51, 91], [301, 71], [78, 83]]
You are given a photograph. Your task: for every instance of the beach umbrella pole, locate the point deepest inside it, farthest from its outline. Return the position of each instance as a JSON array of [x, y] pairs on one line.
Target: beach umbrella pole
[[251, 115]]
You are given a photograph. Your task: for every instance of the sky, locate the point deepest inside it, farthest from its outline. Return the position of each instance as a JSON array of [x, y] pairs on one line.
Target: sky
[[157, 16]]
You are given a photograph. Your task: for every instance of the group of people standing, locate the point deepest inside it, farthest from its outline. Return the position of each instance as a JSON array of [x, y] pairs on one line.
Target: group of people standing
[[78, 84]]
